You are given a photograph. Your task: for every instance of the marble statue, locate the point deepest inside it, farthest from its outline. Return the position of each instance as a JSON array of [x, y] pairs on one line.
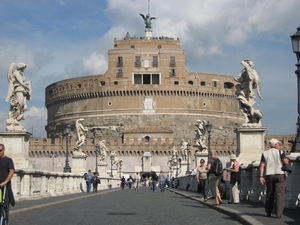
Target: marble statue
[[147, 20], [103, 150], [200, 132], [80, 133], [120, 162], [19, 92], [248, 81], [174, 158], [113, 157], [184, 150]]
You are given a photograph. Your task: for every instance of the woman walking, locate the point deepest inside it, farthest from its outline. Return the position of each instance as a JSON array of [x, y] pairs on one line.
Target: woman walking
[[202, 178]]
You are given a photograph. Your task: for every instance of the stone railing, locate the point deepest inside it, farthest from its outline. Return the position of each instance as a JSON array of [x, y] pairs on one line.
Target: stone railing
[[35, 184], [250, 187]]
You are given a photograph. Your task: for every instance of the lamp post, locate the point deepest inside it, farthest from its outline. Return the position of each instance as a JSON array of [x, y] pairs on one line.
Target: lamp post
[[177, 164], [97, 148], [296, 49], [188, 158], [111, 161], [67, 168], [208, 128]]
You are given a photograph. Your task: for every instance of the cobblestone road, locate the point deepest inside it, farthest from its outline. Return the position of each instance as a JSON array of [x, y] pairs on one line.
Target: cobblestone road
[[125, 207]]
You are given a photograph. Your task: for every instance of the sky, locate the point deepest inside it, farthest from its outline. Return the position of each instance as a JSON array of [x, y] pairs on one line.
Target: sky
[[61, 39]]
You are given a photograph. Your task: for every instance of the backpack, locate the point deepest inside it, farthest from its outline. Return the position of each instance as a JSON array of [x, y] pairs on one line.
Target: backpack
[[85, 176], [217, 168]]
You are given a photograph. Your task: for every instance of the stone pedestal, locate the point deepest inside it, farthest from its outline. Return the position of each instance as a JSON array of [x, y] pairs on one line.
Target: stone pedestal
[[17, 148], [148, 34], [102, 169], [79, 164], [115, 171], [199, 156], [250, 144], [183, 168]]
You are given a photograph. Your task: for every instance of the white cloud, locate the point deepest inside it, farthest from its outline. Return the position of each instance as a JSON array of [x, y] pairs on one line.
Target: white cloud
[[95, 64], [35, 119]]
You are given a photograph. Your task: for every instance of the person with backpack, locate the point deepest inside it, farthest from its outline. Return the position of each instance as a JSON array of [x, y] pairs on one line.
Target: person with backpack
[[96, 181], [214, 167], [154, 180], [234, 180]]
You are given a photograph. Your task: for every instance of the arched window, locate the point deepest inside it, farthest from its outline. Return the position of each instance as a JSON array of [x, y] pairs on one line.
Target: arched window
[[147, 139]]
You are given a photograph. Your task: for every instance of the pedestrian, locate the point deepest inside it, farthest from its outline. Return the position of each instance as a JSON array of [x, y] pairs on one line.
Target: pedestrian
[[150, 181], [137, 181], [130, 181], [7, 170], [271, 174], [154, 180], [89, 180], [123, 181], [162, 179], [96, 181], [202, 179], [234, 180], [168, 181], [213, 178]]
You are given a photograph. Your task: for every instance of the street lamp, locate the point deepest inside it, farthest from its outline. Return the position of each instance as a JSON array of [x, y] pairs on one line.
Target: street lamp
[[97, 147], [296, 49], [188, 158], [67, 168], [208, 128], [177, 164], [111, 161]]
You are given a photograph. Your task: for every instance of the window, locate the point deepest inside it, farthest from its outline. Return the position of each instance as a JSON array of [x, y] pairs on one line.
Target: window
[[115, 82], [190, 82], [102, 83], [120, 73], [137, 61], [228, 85], [172, 61], [146, 78], [172, 73], [159, 46], [147, 139], [132, 46], [203, 83], [155, 61], [120, 62], [176, 82], [215, 83]]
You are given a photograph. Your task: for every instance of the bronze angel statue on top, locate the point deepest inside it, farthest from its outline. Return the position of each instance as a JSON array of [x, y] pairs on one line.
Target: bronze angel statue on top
[[147, 20]]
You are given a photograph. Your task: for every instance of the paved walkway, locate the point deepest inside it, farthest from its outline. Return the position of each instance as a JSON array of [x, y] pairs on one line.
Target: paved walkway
[[245, 213]]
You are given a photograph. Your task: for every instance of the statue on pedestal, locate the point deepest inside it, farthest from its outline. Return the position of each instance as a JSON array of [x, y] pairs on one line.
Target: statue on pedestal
[[80, 132], [113, 157], [249, 80], [103, 150], [184, 150], [200, 132], [174, 158], [19, 92]]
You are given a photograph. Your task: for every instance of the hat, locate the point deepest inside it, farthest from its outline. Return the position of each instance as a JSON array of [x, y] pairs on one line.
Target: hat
[[274, 141], [232, 156]]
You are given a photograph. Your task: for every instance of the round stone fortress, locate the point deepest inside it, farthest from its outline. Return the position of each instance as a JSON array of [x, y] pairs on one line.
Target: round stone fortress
[[146, 87]]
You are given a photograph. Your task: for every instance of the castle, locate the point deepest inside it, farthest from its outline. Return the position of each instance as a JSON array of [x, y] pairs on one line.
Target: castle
[[146, 101]]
